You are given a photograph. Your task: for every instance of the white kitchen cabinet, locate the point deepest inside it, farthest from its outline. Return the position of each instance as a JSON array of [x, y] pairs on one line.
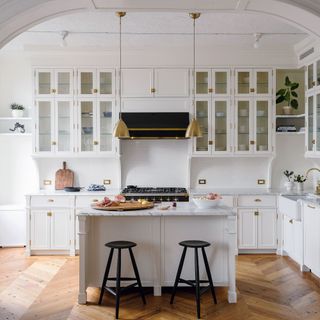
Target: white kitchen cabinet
[[253, 82], [257, 228], [312, 76], [311, 221], [95, 83], [253, 126], [212, 82], [50, 229], [148, 83], [51, 83]]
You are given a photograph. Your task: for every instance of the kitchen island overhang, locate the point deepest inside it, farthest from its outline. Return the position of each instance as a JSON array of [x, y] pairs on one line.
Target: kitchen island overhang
[[157, 234]]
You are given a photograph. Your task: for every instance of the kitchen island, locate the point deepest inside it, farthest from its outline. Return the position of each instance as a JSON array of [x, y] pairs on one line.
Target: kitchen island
[[157, 234]]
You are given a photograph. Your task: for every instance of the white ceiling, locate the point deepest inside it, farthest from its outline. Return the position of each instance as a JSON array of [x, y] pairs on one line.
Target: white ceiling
[[145, 29]]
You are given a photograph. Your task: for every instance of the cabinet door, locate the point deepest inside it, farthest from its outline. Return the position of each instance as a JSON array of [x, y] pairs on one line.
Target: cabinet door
[[310, 137], [221, 126], [247, 229], [243, 134], [64, 126], [317, 122], [288, 235], [171, 82], [40, 230], [310, 76], [262, 82], [137, 83], [60, 229], [244, 82], [45, 126], [63, 79], [267, 229], [203, 84], [87, 84], [44, 82], [87, 125], [106, 83], [262, 126], [105, 125], [220, 82], [202, 145]]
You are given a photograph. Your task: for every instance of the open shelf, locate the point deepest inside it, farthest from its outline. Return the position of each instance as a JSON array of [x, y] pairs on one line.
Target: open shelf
[[290, 133], [281, 116], [13, 119]]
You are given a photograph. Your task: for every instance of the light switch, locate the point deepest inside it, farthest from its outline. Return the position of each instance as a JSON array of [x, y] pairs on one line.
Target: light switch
[[106, 181], [202, 181], [261, 181], [47, 182]]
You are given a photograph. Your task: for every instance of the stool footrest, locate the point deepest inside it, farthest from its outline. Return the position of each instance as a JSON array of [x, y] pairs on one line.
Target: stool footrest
[[113, 292], [191, 282], [122, 279]]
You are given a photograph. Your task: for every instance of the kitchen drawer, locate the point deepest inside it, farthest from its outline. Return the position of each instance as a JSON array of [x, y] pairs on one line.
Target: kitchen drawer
[[257, 201], [227, 201], [85, 201], [52, 201]]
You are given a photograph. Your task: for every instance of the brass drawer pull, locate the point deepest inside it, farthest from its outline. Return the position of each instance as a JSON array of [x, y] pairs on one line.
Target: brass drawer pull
[[50, 200], [53, 143], [49, 214], [311, 207], [257, 200], [95, 143], [95, 200]]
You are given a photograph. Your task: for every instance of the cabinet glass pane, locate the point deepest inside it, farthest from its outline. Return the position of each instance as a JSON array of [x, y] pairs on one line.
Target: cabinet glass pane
[[44, 84], [203, 120], [64, 129], [106, 126], [86, 125], [221, 82], [243, 125], [105, 82], [310, 123], [262, 129], [243, 82], [262, 84], [64, 85], [221, 126], [310, 76], [318, 72], [318, 122], [202, 82], [44, 126], [86, 82]]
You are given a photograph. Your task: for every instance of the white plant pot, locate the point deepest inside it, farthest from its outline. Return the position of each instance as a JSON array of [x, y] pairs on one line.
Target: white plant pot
[[289, 185], [300, 186], [17, 113], [287, 110]]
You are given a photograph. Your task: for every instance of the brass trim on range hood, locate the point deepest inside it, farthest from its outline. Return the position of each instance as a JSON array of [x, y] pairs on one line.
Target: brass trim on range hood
[[154, 138], [157, 129]]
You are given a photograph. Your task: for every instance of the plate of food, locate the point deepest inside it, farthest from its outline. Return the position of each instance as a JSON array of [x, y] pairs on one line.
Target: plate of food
[[208, 201], [119, 203]]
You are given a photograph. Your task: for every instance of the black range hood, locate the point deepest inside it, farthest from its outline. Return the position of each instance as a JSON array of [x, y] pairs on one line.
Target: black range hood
[[156, 125]]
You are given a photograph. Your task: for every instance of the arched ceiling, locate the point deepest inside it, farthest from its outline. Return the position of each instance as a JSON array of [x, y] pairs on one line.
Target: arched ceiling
[[17, 16]]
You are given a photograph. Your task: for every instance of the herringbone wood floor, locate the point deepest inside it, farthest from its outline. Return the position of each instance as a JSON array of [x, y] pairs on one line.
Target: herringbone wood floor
[[269, 288]]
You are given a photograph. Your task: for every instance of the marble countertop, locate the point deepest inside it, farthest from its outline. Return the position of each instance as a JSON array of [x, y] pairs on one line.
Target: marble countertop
[[182, 209], [107, 192]]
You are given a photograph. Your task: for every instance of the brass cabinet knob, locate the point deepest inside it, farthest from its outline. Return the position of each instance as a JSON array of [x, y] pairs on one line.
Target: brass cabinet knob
[[49, 214], [252, 90], [153, 90], [210, 142], [53, 90], [210, 90], [95, 90], [313, 141], [95, 143], [53, 143], [256, 213], [291, 221], [313, 83], [251, 141]]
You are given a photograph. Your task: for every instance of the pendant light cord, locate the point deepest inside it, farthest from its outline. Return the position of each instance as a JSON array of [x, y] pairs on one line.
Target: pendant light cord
[[120, 65], [194, 62]]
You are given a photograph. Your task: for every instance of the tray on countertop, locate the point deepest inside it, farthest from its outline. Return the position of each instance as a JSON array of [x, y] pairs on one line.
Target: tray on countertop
[[125, 206]]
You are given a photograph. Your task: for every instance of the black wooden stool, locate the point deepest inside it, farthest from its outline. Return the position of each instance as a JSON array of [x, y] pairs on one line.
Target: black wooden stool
[[120, 245], [196, 244]]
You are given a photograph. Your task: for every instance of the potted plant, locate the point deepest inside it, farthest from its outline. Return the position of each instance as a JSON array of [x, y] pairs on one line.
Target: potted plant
[[288, 94], [17, 110], [289, 184], [300, 180]]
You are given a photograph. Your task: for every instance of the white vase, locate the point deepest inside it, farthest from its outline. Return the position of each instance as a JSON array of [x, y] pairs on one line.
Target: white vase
[[289, 185], [287, 110], [17, 113], [300, 186]]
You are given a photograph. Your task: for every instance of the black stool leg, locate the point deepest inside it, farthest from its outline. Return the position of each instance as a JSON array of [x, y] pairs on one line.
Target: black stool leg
[[136, 272], [209, 275], [118, 283], [196, 268], [178, 274], [106, 274]]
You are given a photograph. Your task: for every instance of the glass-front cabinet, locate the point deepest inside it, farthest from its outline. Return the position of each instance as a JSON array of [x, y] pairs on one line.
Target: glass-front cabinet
[[253, 82], [54, 126], [312, 78], [253, 126], [213, 117], [96, 83], [212, 82], [95, 126], [53, 83]]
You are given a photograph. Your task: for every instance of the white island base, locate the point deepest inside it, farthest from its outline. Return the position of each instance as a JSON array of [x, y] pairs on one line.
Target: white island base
[[157, 234]]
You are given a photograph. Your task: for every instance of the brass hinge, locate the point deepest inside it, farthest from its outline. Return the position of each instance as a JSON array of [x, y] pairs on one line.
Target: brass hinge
[[30, 242], [277, 241]]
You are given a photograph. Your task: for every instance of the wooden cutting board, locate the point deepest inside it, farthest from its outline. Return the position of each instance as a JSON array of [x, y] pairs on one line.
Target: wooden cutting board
[[125, 206], [64, 177]]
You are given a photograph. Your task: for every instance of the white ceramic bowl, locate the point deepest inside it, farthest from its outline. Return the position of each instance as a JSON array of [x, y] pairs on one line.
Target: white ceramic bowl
[[206, 203]]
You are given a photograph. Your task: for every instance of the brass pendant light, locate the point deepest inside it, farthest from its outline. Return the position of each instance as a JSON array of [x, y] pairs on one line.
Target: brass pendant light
[[193, 129], [120, 130]]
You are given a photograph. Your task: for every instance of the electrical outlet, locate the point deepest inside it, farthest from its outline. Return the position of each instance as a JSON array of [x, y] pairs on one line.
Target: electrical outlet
[[261, 181], [202, 181], [106, 181], [47, 182]]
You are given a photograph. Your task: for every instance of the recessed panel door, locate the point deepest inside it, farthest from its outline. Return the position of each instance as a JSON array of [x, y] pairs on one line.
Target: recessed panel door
[[262, 141], [221, 128], [243, 126], [64, 125], [87, 130], [203, 116], [45, 126], [247, 229], [105, 126]]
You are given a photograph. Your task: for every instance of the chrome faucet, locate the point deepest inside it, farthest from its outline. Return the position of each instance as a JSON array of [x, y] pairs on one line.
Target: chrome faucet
[[317, 191]]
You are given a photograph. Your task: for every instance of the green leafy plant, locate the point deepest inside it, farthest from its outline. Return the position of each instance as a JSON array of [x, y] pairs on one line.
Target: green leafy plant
[[288, 174], [288, 93], [16, 106], [299, 178]]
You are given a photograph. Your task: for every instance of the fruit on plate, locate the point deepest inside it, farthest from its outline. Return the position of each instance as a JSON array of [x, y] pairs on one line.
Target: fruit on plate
[[106, 202], [213, 196], [120, 198]]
